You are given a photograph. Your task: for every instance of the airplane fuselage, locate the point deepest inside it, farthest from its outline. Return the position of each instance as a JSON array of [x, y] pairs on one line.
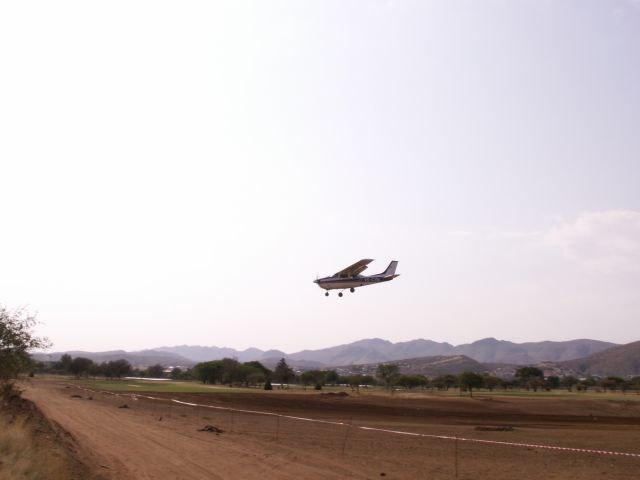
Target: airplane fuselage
[[336, 283]]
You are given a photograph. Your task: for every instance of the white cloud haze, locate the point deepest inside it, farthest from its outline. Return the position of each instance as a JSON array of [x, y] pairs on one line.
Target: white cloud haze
[[607, 242]]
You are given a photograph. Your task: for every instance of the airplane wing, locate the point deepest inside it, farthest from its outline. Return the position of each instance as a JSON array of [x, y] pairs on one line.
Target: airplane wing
[[355, 269]]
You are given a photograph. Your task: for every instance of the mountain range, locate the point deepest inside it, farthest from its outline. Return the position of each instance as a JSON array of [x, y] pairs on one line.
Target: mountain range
[[366, 351], [143, 358], [376, 350]]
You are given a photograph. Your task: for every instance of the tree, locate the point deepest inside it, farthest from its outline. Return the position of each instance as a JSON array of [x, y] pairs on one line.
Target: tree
[[65, 362], [252, 373], [306, 378], [412, 381], [331, 377], [208, 372], [81, 366], [231, 371], [258, 366], [552, 382], [94, 369], [317, 378], [354, 382], [529, 377], [283, 373], [16, 341], [589, 382], [115, 368], [612, 383], [445, 382], [492, 382], [568, 382], [368, 380], [155, 371], [387, 372], [121, 368], [471, 380], [176, 372]]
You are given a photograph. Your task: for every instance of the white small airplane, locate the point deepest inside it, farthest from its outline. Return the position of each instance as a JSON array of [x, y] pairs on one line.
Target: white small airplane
[[350, 277]]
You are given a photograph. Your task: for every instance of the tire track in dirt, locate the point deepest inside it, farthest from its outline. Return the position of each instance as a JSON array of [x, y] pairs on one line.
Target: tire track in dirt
[[137, 447], [393, 432]]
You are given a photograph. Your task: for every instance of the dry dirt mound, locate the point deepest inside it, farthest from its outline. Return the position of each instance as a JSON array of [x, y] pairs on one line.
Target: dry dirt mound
[[32, 447]]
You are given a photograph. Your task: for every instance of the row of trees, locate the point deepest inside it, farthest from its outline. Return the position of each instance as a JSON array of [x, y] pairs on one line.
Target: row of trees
[[85, 367], [229, 371], [528, 378]]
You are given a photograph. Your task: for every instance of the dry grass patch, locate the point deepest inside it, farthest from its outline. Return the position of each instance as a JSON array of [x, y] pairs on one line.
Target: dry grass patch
[[31, 448]]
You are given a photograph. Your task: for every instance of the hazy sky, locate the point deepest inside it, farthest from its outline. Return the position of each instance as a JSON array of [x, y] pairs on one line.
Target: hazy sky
[[179, 172]]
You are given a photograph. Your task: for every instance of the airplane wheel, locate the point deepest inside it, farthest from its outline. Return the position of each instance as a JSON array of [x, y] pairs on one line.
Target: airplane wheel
[[352, 289], [340, 294], [326, 294]]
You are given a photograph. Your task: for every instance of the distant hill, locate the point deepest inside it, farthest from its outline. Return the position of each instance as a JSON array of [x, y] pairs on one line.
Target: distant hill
[[621, 360], [143, 358], [362, 351], [501, 351], [428, 366], [199, 353], [373, 350], [367, 351], [485, 350], [271, 362]]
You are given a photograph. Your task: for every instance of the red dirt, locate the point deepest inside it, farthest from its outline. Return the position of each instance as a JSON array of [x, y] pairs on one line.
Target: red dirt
[[155, 439]]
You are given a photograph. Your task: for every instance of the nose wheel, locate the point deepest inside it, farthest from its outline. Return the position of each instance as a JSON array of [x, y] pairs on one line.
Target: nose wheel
[[326, 294], [352, 289], [340, 294]]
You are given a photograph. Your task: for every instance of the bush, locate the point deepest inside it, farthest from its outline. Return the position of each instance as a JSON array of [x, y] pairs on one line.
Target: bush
[[16, 341], [9, 392]]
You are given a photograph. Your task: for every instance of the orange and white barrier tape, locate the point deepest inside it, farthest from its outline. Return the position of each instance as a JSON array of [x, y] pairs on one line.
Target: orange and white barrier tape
[[377, 429]]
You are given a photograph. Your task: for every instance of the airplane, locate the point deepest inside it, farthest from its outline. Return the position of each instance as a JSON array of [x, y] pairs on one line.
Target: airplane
[[350, 277]]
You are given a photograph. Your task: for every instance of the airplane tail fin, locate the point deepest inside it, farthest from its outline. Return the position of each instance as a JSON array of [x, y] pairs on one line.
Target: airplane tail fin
[[391, 269]]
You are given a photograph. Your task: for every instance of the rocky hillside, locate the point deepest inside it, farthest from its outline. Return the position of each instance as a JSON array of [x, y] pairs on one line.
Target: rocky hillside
[[621, 360]]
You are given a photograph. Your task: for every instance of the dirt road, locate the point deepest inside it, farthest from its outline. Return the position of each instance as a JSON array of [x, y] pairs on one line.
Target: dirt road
[[154, 439]]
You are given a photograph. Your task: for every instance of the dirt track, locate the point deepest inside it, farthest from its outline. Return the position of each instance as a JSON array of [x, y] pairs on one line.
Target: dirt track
[[159, 440]]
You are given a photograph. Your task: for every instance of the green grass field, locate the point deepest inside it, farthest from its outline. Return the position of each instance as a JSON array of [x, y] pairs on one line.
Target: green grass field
[[159, 387], [171, 386], [197, 387]]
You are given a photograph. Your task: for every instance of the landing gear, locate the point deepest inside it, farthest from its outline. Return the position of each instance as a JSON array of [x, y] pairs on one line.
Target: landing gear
[[326, 294], [340, 294], [352, 289]]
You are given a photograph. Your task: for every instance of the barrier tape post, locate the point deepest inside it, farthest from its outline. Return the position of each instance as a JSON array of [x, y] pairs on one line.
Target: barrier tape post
[[455, 455], [346, 434], [277, 427]]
